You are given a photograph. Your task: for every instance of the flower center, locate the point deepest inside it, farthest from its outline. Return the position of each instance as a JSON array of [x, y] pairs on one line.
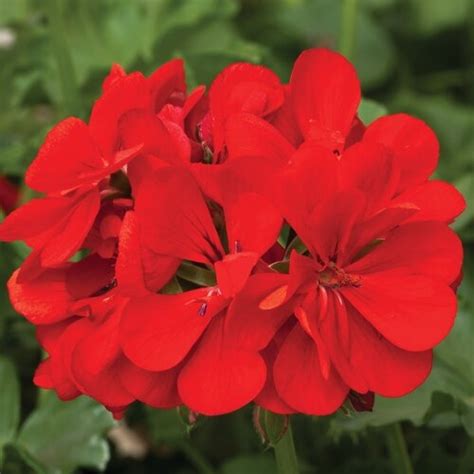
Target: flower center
[[335, 277]]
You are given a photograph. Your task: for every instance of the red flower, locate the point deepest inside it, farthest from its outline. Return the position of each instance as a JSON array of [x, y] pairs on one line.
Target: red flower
[[9, 194], [57, 225], [187, 330], [162, 188], [370, 299]]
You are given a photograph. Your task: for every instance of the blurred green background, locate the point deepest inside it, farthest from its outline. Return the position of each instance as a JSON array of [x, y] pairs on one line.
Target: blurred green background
[[415, 56]]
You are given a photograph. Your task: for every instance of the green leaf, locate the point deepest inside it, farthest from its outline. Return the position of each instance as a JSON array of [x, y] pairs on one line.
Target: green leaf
[[465, 185], [251, 464], [435, 15], [9, 401], [318, 22], [18, 461], [66, 435], [369, 110], [453, 371], [166, 425], [413, 407], [190, 272], [13, 11]]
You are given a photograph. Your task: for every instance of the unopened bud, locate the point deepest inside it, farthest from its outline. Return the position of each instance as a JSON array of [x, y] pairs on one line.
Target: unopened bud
[[189, 418], [271, 427]]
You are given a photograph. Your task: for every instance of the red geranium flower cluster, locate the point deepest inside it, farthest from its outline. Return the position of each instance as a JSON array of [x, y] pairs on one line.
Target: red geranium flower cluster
[[254, 243]]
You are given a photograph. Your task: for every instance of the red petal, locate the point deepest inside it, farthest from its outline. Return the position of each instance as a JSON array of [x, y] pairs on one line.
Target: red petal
[[310, 179], [42, 377], [35, 217], [69, 239], [64, 384], [244, 312], [413, 143], [331, 224], [369, 167], [129, 268], [284, 120], [298, 377], [427, 248], [268, 398], [242, 87], [115, 74], [218, 378], [128, 93], [158, 331], [48, 335], [436, 200], [88, 276], [335, 330], [413, 312], [48, 297], [247, 135], [165, 81], [325, 93], [50, 172], [388, 370], [371, 231], [185, 228], [44, 300], [142, 127], [94, 359], [233, 270], [157, 389], [138, 271], [252, 222]]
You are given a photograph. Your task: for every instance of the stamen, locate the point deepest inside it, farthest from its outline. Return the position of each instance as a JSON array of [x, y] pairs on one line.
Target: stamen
[[237, 247], [202, 309]]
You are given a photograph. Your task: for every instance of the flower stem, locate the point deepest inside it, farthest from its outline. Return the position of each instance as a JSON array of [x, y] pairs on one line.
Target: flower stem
[[71, 102], [399, 457], [285, 454], [195, 458], [348, 28]]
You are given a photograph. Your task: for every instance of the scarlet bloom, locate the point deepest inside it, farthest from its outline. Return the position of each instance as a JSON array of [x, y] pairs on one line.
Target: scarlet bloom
[[258, 243], [184, 335], [368, 299]]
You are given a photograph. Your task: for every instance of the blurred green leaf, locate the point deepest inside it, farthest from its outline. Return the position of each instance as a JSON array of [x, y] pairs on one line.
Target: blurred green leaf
[[413, 407], [66, 435], [9, 401], [263, 464], [166, 425], [465, 185], [18, 461], [317, 22], [434, 15], [12, 11], [369, 110], [453, 371]]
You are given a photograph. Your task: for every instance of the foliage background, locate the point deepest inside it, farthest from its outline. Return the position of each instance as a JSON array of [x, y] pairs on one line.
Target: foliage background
[[415, 56]]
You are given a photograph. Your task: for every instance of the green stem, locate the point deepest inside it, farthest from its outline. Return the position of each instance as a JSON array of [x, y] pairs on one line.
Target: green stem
[[71, 101], [467, 460], [195, 458], [399, 457], [348, 28], [285, 454]]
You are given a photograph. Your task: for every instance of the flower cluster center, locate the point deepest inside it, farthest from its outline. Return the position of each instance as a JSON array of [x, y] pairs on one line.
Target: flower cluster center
[[334, 277]]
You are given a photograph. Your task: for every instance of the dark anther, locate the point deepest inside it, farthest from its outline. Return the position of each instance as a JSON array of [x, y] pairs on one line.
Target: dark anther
[[202, 309], [237, 247]]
